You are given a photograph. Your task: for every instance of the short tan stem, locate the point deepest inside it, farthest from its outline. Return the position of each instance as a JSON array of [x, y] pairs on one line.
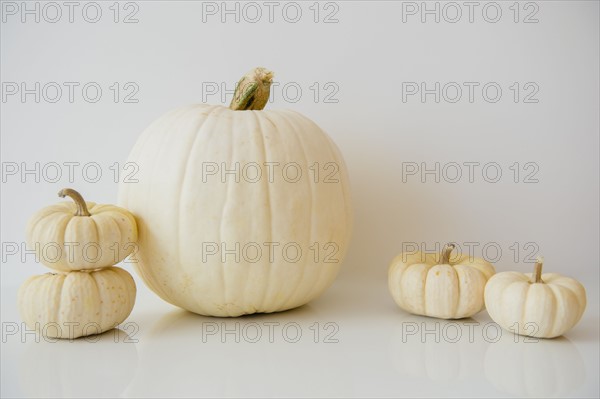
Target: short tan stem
[[77, 198], [252, 91], [446, 252], [537, 271]]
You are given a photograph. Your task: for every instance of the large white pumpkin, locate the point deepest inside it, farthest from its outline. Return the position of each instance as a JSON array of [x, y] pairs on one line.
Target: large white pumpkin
[[265, 237]]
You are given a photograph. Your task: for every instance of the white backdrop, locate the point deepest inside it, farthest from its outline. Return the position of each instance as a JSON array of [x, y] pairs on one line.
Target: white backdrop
[[362, 79], [475, 123]]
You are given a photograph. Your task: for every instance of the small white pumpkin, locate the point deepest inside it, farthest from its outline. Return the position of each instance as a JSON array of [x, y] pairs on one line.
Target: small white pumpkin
[[181, 210], [536, 305], [431, 285], [81, 235], [75, 304]]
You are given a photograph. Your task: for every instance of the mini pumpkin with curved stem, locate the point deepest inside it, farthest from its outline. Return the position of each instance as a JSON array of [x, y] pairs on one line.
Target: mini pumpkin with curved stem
[[76, 304], [431, 285], [536, 305], [81, 235]]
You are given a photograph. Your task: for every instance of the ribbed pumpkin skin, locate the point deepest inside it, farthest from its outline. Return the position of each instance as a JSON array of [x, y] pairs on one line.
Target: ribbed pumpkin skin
[[110, 231], [179, 215], [421, 286], [542, 310], [96, 301]]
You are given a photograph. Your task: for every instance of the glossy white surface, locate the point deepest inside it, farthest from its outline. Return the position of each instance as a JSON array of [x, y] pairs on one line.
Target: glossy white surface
[[369, 348]]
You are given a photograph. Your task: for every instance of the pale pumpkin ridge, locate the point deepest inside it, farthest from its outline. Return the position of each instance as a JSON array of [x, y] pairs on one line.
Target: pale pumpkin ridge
[[114, 277], [210, 127], [23, 294], [268, 197], [571, 285], [320, 286], [460, 282], [177, 117], [481, 266], [118, 257], [39, 310], [423, 277], [119, 275], [99, 309], [42, 289], [310, 226], [131, 288], [231, 158], [122, 277], [344, 180], [523, 318], [424, 291], [346, 195], [261, 307], [184, 178], [58, 233], [94, 228], [43, 213], [62, 278], [30, 307], [166, 137], [115, 227], [37, 231], [86, 299], [400, 281], [556, 299], [401, 269], [39, 234], [36, 225], [33, 225]]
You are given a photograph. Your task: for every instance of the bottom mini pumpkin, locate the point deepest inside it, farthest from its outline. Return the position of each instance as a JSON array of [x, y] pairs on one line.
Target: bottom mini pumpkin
[[76, 304]]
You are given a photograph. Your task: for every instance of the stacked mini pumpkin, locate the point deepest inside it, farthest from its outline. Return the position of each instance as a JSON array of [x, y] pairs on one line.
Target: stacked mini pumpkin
[[81, 241], [541, 306]]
